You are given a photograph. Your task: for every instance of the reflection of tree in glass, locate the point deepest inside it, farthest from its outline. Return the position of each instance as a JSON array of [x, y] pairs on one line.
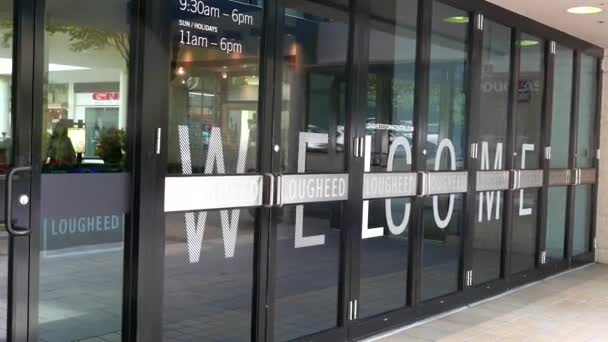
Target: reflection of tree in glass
[[403, 95], [82, 38]]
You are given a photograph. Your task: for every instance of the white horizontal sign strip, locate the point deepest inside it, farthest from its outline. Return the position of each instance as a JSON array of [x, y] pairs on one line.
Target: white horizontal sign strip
[[560, 177], [448, 182], [212, 192], [588, 176], [306, 188], [389, 185], [530, 179], [492, 180]]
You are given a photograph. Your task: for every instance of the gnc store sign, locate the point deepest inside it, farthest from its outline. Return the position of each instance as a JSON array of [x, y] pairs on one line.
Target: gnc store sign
[[102, 98], [106, 96]]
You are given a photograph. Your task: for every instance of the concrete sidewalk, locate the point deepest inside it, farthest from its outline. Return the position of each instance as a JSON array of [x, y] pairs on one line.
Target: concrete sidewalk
[[568, 307]]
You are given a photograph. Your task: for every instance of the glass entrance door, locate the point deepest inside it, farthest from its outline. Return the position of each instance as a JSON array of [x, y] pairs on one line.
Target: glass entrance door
[[306, 271], [527, 153], [489, 150], [214, 186], [221, 207]]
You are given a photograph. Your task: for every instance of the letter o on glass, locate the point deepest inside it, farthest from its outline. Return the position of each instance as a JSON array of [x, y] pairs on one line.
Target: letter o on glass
[[444, 144]]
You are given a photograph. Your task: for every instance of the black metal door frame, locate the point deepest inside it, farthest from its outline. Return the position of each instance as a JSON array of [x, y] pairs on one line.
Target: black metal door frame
[[23, 105]]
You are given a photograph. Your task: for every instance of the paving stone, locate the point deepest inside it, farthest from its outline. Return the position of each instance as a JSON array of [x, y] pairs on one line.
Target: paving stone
[[554, 312]]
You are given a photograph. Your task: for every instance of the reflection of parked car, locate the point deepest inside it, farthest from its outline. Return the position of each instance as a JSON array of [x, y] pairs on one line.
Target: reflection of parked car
[[321, 146]]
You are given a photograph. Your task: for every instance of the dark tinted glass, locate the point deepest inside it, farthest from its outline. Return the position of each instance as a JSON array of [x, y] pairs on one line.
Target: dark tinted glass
[[447, 111], [528, 146], [213, 130], [525, 225], [496, 66], [307, 270], [530, 102], [441, 246], [312, 140], [390, 127], [315, 43], [208, 285]]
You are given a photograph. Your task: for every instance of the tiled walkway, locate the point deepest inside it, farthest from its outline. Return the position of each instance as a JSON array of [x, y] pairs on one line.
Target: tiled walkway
[[569, 307]]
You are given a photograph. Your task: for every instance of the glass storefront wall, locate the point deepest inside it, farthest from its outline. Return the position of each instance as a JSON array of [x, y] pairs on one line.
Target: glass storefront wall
[[395, 120], [253, 170]]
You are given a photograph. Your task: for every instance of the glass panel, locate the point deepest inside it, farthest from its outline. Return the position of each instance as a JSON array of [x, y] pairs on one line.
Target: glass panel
[[528, 144], [6, 78], [208, 291], [442, 245], [530, 102], [390, 128], [307, 271], [487, 239], [85, 181], [447, 111], [494, 104], [213, 120], [307, 258], [557, 209], [314, 86], [562, 108], [384, 259], [523, 238], [583, 209], [587, 110]]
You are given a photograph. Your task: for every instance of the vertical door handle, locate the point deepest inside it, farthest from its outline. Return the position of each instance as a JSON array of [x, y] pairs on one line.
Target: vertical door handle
[[8, 202], [268, 194]]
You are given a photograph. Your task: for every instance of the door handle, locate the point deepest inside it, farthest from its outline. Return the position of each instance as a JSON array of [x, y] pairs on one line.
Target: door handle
[[8, 202]]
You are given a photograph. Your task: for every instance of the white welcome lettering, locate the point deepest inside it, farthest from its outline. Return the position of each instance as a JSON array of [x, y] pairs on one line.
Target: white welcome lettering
[[444, 144], [195, 228], [302, 241], [524, 211], [485, 165], [366, 232]]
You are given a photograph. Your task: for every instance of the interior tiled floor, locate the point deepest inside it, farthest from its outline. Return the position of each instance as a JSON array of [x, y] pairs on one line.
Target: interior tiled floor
[[568, 307]]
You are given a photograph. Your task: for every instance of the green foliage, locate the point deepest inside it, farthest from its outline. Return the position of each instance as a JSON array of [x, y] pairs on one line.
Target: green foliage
[[81, 38], [112, 146]]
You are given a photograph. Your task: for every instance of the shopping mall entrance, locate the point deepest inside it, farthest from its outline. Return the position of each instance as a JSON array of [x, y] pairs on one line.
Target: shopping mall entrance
[[283, 170]]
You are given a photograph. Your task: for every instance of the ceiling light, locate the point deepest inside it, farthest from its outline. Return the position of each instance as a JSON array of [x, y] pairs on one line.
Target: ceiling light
[[585, 10], [457, 20], [63, 67], [527, 42]]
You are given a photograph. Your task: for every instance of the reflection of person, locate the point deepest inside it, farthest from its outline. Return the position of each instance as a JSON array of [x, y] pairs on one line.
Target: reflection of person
[[61, 151]]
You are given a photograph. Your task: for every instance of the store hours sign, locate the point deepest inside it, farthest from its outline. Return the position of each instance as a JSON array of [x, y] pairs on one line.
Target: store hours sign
[[224, 26]]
